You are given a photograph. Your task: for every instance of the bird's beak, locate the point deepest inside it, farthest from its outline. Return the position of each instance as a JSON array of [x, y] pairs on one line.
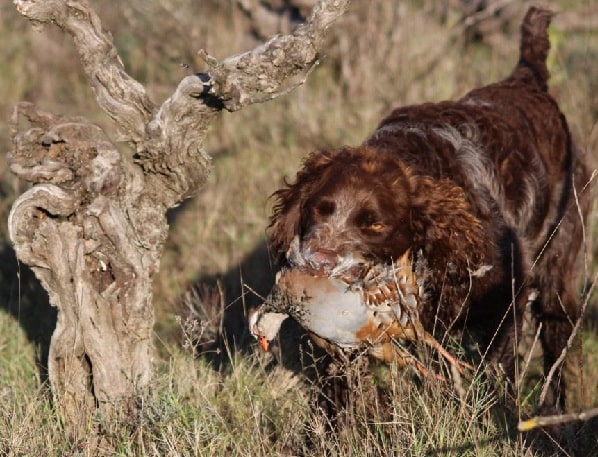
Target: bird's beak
[[261, 339], [268, 327], [264, 343]]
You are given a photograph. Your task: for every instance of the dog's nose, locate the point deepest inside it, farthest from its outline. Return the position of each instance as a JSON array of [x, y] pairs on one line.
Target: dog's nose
[[321, 257]]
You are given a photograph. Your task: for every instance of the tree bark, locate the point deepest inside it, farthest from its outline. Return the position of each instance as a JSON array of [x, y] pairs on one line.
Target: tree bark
[[93, 225]]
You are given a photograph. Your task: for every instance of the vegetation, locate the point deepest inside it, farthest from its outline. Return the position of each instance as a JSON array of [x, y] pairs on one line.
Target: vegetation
[[240, 401]]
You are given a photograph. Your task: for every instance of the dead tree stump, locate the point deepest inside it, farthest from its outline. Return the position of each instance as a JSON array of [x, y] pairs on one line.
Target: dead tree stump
[[92, 226]]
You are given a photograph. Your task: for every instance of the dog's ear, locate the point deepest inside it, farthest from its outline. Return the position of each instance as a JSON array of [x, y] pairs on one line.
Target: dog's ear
[[285, 222], [443, 223]]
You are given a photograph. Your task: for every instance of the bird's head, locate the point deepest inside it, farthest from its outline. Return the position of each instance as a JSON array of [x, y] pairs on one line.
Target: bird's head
[[264, 326]]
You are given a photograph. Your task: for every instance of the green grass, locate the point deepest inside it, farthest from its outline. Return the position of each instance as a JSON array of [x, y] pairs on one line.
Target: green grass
[[381, 54]]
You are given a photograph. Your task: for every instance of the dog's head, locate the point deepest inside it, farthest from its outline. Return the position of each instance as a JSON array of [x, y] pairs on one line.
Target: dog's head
[[348, 202]]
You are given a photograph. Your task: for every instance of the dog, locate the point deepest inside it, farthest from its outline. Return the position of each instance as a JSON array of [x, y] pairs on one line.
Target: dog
[[488, 188]]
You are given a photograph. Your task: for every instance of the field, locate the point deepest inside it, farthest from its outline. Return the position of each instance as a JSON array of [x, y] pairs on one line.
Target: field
[[215, 393]]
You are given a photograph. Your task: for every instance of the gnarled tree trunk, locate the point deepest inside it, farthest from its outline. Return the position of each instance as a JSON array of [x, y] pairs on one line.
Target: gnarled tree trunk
[[93, 225]]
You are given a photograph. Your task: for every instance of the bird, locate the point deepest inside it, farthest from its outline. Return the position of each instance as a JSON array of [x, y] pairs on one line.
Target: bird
[[351, 305]]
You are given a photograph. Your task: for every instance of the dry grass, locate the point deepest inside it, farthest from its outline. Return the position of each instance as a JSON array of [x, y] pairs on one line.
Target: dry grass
[[381, 54], [252, 408], [256, 408]]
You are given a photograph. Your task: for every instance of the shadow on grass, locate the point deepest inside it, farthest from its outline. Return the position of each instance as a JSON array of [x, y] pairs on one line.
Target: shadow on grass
[[224, 301], [22, 296]]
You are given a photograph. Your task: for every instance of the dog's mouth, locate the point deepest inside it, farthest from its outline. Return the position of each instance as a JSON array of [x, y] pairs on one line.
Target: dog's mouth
[[321, 257], [323, 260]]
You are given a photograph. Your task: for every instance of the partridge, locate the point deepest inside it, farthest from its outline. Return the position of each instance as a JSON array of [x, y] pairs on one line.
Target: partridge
[[351, 306]]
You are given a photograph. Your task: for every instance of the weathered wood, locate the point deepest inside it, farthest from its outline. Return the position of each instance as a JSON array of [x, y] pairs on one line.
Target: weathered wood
[[93, 225], [260, 74]]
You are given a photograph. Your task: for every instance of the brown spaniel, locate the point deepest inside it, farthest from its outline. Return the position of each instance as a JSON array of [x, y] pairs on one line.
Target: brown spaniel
[[488, 188]]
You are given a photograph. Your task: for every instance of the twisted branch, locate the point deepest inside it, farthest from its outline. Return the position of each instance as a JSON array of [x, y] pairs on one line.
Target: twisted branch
[[93, 225], [123, 98]]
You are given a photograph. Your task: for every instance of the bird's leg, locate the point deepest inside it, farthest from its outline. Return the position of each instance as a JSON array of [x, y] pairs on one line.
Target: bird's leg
[[458, 364], [391, 353], [331, 349], [415, 332]]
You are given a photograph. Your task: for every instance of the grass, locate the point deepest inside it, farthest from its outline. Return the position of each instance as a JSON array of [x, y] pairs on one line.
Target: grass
[[256, 407], [379, 55], [251, 408]]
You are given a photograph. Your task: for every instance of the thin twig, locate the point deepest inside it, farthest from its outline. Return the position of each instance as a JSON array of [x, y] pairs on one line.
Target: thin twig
[[542, 421]]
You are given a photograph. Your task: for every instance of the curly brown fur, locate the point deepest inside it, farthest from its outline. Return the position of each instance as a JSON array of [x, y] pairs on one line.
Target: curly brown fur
[[487, 180]]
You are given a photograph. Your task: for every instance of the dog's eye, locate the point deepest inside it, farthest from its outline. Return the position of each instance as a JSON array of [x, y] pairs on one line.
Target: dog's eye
[[377, 227], [370, 221]]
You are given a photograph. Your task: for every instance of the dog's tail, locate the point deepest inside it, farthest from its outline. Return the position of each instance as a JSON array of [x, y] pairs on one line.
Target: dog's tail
[[535, 46]]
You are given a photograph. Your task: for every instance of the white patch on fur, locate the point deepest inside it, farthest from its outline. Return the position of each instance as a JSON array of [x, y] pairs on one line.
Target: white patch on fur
[[474, 101], [481, 271], [530, 187], [480, 172], [476, 166]]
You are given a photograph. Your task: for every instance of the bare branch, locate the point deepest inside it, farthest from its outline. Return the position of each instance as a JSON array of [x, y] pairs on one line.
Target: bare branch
[[169, 141], [172, 155], [543, 421], [264, 71], [174, 147], [123, 98]]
